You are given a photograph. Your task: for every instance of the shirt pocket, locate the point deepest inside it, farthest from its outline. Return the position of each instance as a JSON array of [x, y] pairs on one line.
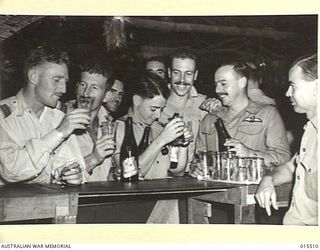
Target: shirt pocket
[[251, 129], [311, 185]]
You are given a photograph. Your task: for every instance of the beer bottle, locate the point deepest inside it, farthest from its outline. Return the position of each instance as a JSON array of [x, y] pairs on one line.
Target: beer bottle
[[179, 140], [144, 143], [129, 155], [222, 134], [174, 153]]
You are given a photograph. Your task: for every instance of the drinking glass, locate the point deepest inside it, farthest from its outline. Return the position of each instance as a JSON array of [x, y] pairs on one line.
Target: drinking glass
[[85, 102]]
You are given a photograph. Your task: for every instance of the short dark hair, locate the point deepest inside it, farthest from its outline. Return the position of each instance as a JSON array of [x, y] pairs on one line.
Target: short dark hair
[[309, 66], [240, 67], [183, 53], [161, 59], [151, 85], [97, 65], [44, 54]]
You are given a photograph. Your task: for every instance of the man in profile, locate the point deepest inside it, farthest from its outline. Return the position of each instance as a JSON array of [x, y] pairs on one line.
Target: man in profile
[[37, 145], [302, 169]]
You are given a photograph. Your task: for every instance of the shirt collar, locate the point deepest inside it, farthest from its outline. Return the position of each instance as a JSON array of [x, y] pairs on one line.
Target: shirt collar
[[251, 108], [193, 92], [135, 118], [103, 115], [21, 104], [314, 122]]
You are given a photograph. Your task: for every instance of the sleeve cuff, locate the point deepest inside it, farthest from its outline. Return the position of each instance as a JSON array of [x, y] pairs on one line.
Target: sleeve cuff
[[53, 139]]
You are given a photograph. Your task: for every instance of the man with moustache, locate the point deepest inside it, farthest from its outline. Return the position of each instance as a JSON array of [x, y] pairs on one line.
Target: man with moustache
[[95, 81], [256, 130], [184, 98], [302, 169], [37, 144]]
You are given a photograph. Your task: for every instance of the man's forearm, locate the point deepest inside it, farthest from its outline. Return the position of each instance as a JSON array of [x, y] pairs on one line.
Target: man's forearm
[[282, 174]]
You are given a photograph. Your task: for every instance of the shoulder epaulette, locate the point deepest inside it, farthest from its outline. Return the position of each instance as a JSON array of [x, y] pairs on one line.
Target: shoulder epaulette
[[5, 111]]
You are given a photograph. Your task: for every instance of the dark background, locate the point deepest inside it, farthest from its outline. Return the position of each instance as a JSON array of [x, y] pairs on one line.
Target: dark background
[[276, 39]]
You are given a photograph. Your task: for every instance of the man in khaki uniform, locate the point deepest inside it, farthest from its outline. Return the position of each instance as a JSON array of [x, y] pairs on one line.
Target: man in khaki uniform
[[36, 138], [303, 167]]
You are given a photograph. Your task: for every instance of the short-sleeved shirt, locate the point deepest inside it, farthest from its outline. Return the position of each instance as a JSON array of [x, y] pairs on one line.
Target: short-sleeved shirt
[[161, 164], [86, 143], [31, 149], [303, 209], [258, 126], [192, 112]]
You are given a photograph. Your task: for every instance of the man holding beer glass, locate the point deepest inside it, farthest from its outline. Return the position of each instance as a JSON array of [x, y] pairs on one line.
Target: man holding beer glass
[[97, 141], [37, 145], [303, 167]]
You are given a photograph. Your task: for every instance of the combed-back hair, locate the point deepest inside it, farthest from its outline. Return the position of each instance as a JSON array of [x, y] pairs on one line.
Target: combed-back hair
[[240, 67], [151, 85], [183, 53], [309, 66], [44, 54]]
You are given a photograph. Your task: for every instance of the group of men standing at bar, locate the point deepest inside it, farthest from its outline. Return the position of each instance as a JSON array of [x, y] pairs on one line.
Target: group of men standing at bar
[[42, 144]]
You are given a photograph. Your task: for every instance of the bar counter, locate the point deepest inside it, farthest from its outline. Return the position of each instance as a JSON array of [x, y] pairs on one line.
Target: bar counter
[[39, 201]]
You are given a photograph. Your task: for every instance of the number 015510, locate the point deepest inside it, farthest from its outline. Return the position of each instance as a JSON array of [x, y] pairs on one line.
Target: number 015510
[[309, 246]]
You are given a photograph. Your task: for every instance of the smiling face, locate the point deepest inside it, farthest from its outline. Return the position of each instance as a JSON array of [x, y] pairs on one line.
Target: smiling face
[[183, 73], [148, 109], [114, 96], [229, 85], [157, 68], [49, 81], [93, 85], [302, 93]]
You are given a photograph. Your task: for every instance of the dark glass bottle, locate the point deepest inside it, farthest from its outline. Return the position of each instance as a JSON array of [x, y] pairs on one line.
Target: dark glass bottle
[[179, 140], [129, 155], [222, 134], [144, 143]]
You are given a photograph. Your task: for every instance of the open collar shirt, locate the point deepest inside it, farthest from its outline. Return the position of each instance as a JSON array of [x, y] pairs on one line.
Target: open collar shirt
[[31, 149], [161, 163], [259, 127], [192, 112], [303, 209], [86, 143]]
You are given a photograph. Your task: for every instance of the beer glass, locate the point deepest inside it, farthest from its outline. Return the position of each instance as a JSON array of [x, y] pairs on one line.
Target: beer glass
[[206, 161], [85, 102]]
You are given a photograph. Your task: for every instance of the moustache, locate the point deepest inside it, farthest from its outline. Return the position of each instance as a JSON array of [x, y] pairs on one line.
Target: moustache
[[182, 83]]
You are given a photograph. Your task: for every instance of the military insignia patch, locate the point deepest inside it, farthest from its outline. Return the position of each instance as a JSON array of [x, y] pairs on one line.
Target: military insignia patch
[[252, 118]]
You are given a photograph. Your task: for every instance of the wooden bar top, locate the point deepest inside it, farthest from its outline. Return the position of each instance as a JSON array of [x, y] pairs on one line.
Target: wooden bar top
[[117, 188]]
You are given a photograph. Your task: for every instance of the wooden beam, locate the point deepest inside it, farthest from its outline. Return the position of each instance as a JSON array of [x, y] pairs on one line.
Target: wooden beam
[[204, 28]]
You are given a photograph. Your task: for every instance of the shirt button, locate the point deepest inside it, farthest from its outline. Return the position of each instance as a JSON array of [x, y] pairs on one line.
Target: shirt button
[[309, 170], [303, 149], [298, 177], [292, 204], [157, 162]]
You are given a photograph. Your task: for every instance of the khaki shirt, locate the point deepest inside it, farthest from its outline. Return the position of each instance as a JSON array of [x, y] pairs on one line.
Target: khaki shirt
[[161, 164], [192, 112], [259, 127], [86, 144], [257, 96], [303, 209], [31, 149]]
